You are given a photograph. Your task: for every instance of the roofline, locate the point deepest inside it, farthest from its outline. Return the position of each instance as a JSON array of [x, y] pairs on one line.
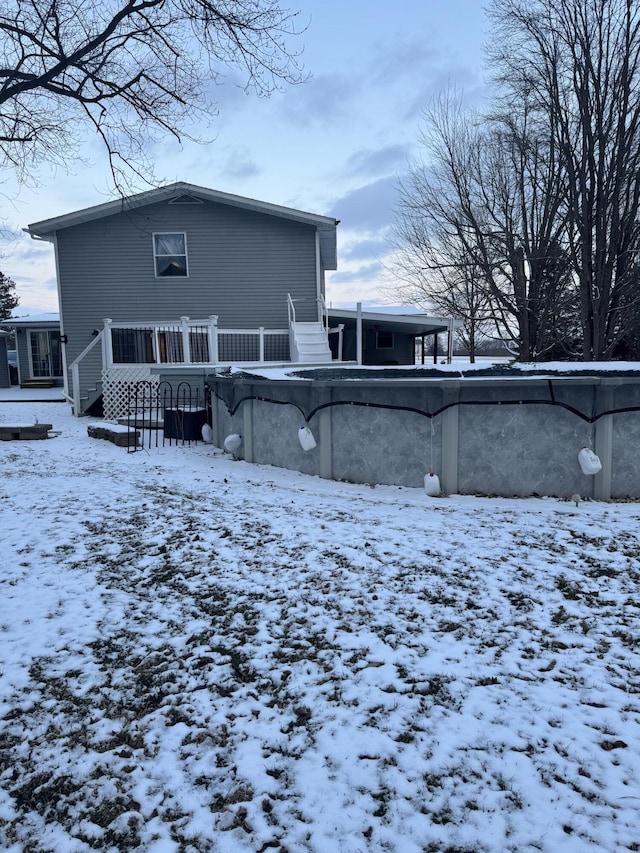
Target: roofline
[[46, 228], [408, 319], [41, 321]]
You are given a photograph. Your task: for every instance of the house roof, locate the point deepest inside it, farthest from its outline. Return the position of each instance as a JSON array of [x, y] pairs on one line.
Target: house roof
[[325, 225], [42, 321]]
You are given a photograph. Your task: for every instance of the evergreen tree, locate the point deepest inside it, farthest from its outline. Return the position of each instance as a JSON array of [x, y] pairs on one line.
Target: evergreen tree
[[8, 298]]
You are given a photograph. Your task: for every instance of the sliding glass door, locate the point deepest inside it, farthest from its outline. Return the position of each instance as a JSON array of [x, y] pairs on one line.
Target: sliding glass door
[[46, 358]]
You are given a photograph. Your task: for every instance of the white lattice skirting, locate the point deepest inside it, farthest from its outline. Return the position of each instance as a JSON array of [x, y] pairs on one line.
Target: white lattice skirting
[[119, 384]]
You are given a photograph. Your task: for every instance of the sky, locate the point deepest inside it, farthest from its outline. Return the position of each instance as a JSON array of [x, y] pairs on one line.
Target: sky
[[203, 654], [335, 145]]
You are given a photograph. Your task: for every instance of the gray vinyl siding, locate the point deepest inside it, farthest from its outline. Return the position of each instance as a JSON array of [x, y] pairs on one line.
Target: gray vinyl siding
[[23, 353], [4, 364], [241, 266]]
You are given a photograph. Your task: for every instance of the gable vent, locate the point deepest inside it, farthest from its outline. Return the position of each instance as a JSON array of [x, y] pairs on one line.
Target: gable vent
[[185, 199]]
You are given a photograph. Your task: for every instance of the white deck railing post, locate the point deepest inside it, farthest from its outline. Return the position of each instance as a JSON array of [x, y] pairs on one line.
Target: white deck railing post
[[261, 352], [213, 339], [156, 345], [186, 348], [107, 344]]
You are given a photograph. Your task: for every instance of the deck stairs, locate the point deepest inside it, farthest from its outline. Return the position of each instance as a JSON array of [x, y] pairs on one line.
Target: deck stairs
[[90, 396], [310, 343], [43, 382]]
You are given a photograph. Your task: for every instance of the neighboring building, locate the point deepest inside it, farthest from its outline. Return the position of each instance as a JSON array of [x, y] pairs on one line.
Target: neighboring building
[[38, 349]]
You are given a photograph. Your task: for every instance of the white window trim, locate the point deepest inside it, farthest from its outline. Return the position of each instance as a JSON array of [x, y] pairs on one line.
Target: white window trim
[[186, 253]]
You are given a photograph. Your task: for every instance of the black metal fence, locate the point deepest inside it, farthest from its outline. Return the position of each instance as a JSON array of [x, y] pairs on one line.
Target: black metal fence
[[165, 414]]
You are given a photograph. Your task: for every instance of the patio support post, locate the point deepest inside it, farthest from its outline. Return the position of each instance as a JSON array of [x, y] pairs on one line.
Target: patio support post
[[213, 339], [186, 348], [359, 333], [107, 345], [261, 353]]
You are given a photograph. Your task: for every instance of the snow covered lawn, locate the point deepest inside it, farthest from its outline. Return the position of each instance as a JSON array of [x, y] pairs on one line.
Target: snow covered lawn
[[202, 655]]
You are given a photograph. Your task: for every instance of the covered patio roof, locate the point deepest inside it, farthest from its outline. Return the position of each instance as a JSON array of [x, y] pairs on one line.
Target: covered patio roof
[[388, 321], [407, 324]]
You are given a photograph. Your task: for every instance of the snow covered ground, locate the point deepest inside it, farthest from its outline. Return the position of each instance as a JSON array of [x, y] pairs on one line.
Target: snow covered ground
[[198, 654]]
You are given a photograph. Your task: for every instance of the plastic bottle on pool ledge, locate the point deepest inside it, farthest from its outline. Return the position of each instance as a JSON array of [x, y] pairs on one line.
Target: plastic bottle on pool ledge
[[432, 485]]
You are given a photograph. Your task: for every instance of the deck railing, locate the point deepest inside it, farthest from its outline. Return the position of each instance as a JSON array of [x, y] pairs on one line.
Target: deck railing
[[182, 342], [190, 342]]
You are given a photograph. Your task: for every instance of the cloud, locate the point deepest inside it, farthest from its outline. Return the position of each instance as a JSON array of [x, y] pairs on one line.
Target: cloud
[[30, 263], [200, 164], [363, 273], [458, 78], [240, 165], [407, 56], [364, 249], [228, 94], [368, 208], [368, 161], [323, 100], [28, 251], [418, 69]]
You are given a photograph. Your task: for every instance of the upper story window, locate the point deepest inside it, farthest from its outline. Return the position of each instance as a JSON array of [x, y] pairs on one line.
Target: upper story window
[[170, 255]]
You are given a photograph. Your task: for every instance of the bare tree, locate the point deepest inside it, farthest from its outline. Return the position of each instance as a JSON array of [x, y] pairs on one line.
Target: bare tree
[[481, 217], [429, 276], [133, 71], [579, 62], [432, 263]]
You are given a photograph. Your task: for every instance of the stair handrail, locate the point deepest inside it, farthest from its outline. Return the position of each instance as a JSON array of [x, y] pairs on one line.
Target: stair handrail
[[323, 311], [75, 371], [291, 311]]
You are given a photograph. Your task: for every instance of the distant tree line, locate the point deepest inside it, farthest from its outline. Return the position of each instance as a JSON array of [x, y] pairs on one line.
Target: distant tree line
[[523, 221]]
